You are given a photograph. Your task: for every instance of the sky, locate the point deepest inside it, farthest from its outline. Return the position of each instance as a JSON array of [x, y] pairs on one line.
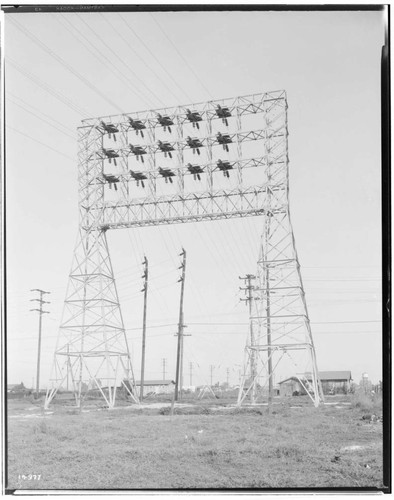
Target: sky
[[63, 67]]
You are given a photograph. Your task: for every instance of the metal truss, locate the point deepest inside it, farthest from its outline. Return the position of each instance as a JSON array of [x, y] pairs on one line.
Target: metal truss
[[113, 164], [279, 324], [92, 350], [208, 161]]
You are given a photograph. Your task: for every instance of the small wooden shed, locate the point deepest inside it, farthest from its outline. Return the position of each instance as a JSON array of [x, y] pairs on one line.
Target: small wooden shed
[[290, 387], [335, 382]]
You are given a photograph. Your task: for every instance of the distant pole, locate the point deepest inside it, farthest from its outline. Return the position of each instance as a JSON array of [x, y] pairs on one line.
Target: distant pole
[[211, 368], [191, 373], [164, 361], [228, 377], [145, 290], [41, 312], [179, 354]]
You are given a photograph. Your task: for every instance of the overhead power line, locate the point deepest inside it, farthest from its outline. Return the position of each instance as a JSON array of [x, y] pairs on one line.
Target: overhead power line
[[339, 267], [124, 63], [98, 54], [348, 279], [340, 322], [50, 118], [181, 56], [241, 334], [39, 142], [156, 59], [312, 322], [44, 120], [63, 63], [58, 95], [118, 32], [211, 334]]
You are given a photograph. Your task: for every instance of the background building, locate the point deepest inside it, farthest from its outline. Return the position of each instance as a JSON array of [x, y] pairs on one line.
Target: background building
[[333, 382]]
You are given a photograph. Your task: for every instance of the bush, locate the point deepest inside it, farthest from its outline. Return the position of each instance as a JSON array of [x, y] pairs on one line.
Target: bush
[[367, 402], [192, 410]]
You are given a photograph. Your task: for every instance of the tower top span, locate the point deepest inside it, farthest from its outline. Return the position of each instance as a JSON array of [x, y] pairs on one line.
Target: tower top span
[[251, 102]]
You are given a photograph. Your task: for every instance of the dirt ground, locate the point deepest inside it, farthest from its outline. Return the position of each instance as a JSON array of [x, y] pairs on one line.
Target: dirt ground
[[204, 445]]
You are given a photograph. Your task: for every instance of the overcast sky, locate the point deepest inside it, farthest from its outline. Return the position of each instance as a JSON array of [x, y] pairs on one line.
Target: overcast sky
[[61, 68]]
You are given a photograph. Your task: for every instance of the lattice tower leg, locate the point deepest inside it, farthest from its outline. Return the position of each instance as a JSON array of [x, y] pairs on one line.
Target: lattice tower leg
[[92, 348], [283, 344]]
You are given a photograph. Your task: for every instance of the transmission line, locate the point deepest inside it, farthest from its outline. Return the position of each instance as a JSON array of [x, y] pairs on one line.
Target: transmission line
[[59, 96], [39, 142], [181, 56], [139, 57], [24, 103], [43, 120], [62, 62], [101, 57], [156, 59], [122, 61]]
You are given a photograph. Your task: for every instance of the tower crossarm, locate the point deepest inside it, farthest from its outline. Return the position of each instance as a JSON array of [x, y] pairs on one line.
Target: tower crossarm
[[190, 207], [250, 104]]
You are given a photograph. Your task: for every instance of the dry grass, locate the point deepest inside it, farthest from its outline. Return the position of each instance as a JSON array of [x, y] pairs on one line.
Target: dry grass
[[137, 449]]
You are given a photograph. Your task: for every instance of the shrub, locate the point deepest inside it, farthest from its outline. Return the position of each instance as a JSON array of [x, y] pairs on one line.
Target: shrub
[[367, 401], [180, 410]]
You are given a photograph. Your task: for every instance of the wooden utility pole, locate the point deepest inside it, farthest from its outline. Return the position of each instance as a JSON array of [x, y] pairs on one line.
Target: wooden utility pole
[[145, 290], [269, 351], [179, 354], [267, 277], [253, 371], [41, 312]]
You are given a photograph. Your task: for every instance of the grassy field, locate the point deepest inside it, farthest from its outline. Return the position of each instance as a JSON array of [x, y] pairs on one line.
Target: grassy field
[[203, 446]]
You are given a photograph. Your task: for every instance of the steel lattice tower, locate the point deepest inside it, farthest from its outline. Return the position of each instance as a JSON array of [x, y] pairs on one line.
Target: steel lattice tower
[[279, 323], [139, 169]]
